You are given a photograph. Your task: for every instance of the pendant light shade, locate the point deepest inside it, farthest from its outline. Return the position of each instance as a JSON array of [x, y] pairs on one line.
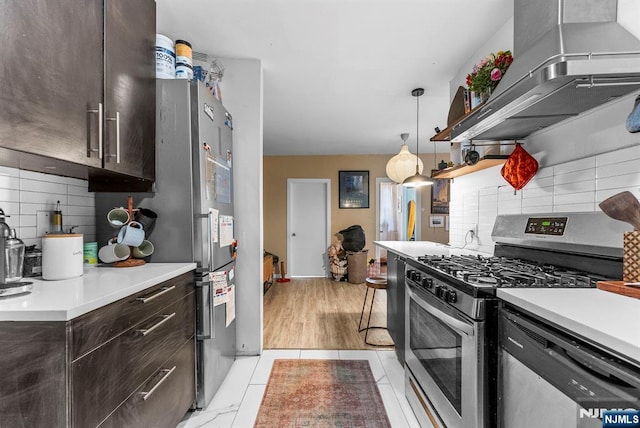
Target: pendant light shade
[[417, 180], [403, 164]]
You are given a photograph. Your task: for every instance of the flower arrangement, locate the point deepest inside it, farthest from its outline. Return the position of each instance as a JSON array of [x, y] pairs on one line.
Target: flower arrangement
[[487, 73]]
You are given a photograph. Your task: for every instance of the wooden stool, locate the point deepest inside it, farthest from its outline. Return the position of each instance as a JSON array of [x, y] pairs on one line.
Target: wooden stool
[[376, 283]]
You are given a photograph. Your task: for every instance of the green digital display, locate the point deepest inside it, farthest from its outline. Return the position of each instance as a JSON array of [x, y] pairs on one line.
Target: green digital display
[[546, 223]]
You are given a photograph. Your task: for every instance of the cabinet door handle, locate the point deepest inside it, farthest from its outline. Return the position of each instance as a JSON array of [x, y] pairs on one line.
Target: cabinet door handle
[[165, 318], [100, 115], [162, 291], [147, 394], [117, 120]]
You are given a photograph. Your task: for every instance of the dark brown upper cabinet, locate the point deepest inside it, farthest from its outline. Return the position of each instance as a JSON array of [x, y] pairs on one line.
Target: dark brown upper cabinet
[[78, 86]]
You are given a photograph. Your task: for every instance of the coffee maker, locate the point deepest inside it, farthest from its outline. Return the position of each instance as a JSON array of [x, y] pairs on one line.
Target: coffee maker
[[11, 260]]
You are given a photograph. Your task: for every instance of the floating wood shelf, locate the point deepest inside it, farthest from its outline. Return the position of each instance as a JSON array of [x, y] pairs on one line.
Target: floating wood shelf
[[456, 171], [445, 134]]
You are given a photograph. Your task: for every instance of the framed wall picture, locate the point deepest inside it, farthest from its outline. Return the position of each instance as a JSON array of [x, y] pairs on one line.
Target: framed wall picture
[[353, 189], [440, 196], [436, 221]]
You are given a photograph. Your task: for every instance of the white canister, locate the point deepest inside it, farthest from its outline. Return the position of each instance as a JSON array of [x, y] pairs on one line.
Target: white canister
[[165, 58], [62, 256]]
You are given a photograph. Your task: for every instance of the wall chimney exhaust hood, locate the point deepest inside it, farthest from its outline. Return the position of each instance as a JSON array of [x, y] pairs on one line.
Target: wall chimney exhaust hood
[[569, 57]]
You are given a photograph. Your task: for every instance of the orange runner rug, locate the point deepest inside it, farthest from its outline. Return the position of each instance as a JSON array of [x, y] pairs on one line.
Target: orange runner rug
[[322, 393]]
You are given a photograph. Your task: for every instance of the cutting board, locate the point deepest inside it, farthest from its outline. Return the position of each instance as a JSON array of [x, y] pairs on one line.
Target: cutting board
[[619, 288]]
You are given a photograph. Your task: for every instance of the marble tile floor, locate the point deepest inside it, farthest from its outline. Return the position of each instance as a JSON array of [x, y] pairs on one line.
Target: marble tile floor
[[237, 402]]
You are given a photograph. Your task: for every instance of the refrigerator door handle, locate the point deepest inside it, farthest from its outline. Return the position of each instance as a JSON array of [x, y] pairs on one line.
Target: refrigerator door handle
[[206, 313]]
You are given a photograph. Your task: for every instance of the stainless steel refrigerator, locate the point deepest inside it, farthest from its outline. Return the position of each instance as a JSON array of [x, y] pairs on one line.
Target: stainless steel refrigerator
[[193, 198]]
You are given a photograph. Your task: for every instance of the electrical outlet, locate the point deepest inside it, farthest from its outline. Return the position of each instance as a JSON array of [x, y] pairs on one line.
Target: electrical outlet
[[473, 231]]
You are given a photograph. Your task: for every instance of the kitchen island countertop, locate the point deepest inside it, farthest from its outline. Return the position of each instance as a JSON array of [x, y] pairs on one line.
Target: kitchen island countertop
[[415, 249], [99, 286], [601, 317]]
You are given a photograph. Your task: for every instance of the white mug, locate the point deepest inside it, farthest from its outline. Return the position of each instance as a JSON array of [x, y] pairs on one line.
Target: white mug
[[114, 252], [132, 234], [143, 250]]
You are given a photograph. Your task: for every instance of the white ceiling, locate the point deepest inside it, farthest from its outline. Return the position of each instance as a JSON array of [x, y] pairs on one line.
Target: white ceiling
[[338, 74]]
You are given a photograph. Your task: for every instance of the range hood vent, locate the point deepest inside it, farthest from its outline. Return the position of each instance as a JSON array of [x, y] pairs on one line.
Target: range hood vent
[[569, 57]]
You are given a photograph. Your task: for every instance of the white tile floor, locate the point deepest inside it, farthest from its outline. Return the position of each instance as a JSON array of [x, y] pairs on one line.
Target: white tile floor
[[237, 402]]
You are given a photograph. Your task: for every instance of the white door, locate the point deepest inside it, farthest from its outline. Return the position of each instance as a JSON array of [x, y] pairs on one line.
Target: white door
[[308, 226]]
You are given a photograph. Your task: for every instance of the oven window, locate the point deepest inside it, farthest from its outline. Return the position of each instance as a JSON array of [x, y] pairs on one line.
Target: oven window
[[439, 350]]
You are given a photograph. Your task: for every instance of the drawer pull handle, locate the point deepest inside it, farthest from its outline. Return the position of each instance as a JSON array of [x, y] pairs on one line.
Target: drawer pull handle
[[164, 319], [162, 291], [147, 394]]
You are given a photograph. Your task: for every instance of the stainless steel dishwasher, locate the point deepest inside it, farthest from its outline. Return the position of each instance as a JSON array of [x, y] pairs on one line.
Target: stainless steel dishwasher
[[549, 378]]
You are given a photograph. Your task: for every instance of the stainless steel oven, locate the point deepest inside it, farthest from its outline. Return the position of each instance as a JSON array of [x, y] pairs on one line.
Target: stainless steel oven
[[446, 354]]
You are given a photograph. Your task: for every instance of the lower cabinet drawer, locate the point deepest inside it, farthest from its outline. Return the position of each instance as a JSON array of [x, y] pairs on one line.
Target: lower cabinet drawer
[[96, 327], [104, 378], [164, 399]]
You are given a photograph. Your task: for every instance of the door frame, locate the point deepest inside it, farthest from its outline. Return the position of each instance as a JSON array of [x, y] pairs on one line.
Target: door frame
[[327, 184]]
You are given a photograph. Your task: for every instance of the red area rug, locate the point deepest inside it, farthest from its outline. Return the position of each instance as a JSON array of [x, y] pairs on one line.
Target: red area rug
[[322, 393]]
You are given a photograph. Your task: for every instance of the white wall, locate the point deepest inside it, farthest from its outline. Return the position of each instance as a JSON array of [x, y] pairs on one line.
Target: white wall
[[30, 199], [502, 40], [242, 91]]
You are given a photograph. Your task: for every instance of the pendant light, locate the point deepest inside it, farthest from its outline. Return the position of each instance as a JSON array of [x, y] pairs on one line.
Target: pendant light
[[417, 180], [403, 164]]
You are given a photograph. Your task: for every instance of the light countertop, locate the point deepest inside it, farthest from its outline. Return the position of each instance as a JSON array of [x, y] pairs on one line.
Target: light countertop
[[98, 286], [420, 248], [605, 318]]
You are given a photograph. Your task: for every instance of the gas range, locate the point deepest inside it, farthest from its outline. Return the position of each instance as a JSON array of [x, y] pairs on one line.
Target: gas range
[[573, 250]]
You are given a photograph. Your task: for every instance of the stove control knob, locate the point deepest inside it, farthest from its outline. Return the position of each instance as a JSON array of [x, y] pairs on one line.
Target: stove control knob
[[416, 276], [451, 296], [410, 273], [439, 291], [427, 282]]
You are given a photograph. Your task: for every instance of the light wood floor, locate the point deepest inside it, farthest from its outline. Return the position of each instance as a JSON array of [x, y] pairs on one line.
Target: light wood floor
[[320, 313]]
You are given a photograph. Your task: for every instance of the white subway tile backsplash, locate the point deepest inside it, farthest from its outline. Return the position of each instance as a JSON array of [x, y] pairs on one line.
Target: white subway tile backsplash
[[537, 202], [9, 195], [617, 156], [575, 176], [30, 197], [26, 232], [575, 198], [42, 186], [574, 166], [9, 182], [33, 209], [27, 221], [8, 171], [540, 183], [43, 198], [622, 182], [619, 168], [578, 186], [574, 208]]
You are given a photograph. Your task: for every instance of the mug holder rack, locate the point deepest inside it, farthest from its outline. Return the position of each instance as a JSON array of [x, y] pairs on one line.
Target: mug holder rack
[[130, 261]]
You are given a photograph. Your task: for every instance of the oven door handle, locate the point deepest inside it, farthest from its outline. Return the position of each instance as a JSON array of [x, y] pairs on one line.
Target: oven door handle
[[452, 322]]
